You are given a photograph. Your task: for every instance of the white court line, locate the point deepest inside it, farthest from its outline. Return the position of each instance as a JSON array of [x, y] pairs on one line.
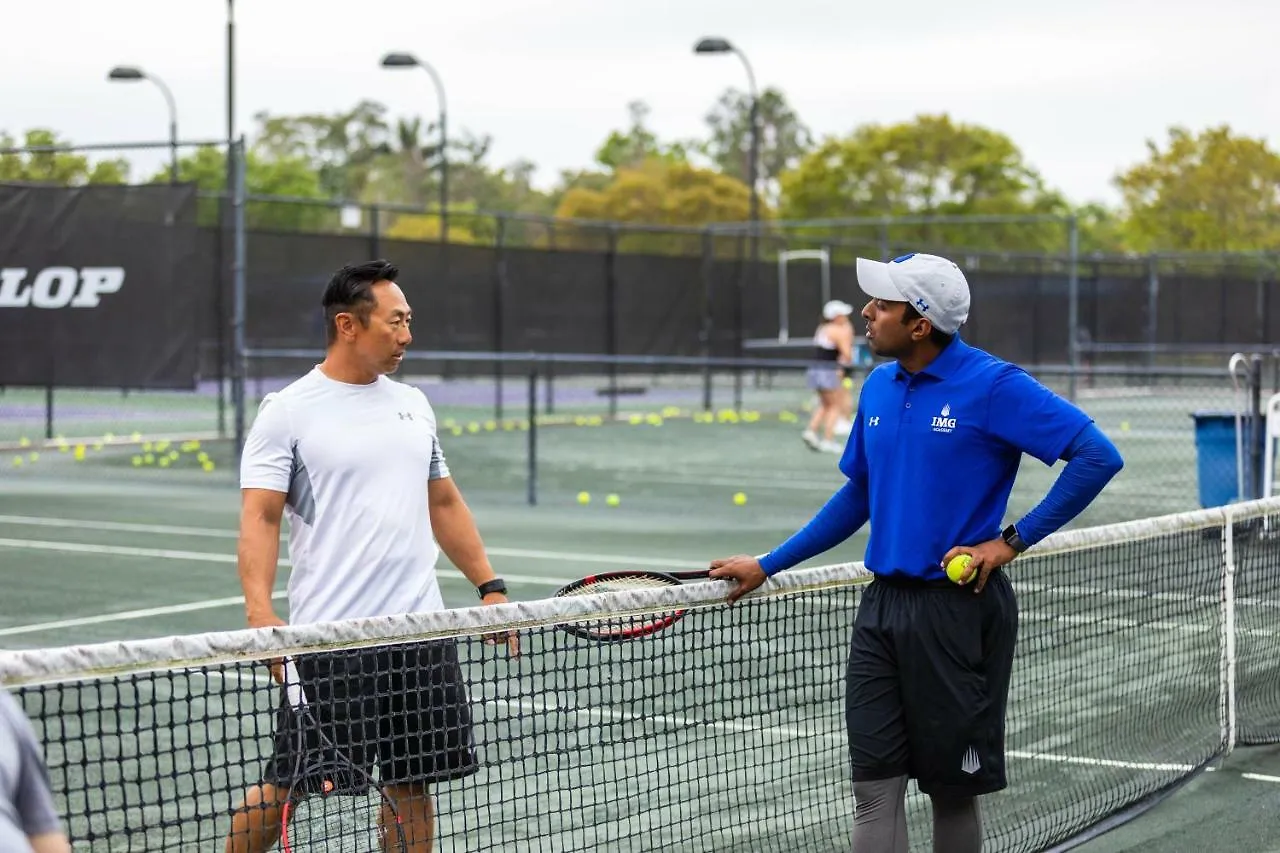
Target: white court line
[[163, 529], [125, 615], [1259, 777]]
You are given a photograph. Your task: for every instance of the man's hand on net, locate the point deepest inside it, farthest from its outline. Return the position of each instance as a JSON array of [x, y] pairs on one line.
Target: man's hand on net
[[270, 620], [513, 639], [741, 568]]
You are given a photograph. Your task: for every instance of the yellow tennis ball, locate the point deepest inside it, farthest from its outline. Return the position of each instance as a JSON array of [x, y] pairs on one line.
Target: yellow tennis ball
[[1124, 426], [739, 499], [958, 569], [613, 500], [137, 460], [34, 457], [24, 442], [17, 462], [584, 498]]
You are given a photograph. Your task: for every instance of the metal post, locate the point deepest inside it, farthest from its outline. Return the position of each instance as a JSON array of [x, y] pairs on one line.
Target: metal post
[[611, 315], [1153, 303], [48, 410], [499, 300], [708, 308], [1073, 304], [1255, 431], [532, 462], [239, 299]]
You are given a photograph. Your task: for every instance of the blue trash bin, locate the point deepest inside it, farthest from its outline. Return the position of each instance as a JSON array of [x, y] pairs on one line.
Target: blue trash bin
[[1216, 470]]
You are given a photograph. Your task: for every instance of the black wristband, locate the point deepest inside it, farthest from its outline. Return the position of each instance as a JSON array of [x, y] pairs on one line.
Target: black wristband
[[1013, 540], [495, 585]]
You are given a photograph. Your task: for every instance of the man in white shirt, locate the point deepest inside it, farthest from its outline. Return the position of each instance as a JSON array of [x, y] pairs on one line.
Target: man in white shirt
[[353, 459]]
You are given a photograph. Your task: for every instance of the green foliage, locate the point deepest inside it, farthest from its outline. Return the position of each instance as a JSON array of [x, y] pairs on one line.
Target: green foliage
[[1212, 192], [68, 169], [931, 166], [784, 139]]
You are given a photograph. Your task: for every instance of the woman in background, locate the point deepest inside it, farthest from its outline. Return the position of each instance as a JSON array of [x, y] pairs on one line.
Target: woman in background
[[833, 349]]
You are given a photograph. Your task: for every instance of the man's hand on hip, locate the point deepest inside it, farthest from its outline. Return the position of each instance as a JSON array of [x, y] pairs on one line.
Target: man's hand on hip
[[987, 557], [741, 568], [513, 639]]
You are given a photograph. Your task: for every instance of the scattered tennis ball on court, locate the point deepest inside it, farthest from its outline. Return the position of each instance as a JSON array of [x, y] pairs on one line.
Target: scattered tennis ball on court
[[848, 383], [79, 452], [148, 459], [958, 569], [164, 462], [173, 456], [584, 498], [740, 499], [456, 430], [207, 465], [653, 419], [137, 436], [34, 457], [146, 447], [490, 426], [1124, 426], [24, 442], [97, 445], [787, 417], [473, 427], [595, 420], [137, 461], [17, 462], [109, 437], [750, 417], [613, 500], [670, 412]]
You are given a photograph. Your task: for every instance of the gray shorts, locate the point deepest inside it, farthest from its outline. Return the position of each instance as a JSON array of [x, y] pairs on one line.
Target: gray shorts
[[823, 377]]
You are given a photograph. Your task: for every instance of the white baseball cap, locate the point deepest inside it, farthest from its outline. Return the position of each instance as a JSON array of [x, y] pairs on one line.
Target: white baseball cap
[[836, 308], [934, 286]]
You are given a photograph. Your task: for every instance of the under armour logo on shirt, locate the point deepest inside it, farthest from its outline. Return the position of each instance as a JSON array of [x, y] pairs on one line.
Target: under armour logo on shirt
[[922, 305], [873, 421], [405, 416]]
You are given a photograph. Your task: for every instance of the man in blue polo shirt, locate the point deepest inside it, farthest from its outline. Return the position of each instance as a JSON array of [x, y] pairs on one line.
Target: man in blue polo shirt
[[930, 461]]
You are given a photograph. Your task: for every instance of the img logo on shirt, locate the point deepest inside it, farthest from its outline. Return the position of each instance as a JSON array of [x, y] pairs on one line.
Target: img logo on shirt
[[944, 422]]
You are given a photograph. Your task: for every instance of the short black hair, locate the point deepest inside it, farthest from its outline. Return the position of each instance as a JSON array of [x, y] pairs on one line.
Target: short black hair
[[939, 338], [349, 290]]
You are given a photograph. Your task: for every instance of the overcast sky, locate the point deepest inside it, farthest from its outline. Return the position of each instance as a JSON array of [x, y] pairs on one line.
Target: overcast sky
[[1078, 85]]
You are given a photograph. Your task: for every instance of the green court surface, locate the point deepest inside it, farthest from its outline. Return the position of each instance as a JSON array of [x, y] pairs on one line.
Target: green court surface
[[99, 549]]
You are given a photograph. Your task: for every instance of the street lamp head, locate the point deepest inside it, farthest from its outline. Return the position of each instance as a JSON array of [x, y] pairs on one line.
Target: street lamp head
[[400, 60], [713, 45], [126, 72]]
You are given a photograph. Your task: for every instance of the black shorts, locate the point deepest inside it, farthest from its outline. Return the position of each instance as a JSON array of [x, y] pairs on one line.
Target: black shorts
[[928, 684], [402, 709]]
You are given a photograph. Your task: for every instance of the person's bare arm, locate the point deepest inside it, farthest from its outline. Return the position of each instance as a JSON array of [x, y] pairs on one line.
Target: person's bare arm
[[49, 842], [456, 531], [258, 552]]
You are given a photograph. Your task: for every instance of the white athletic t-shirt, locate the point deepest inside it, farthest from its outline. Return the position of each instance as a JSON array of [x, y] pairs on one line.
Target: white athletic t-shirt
[[354, 461]]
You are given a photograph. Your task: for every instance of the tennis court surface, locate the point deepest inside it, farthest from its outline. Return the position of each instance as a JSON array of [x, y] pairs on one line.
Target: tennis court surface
[[724, 732]]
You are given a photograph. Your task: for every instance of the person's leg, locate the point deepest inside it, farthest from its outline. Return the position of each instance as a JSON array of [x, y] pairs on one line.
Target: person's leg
[[255, 824], [954, 697], [425, 732], [830, 413], [877, 731], [880, 815], [957, 825], [416, 808]]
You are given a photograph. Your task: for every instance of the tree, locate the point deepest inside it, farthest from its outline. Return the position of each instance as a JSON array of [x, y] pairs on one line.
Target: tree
[[290, 176], [341, 147], [637, 144], [931, 166], [783, 137], [68, 169], [658, 193], [1214, 192]]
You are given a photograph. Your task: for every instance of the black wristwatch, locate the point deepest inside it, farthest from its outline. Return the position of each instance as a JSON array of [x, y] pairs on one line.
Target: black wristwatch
[[1013, 540], [495, 585]]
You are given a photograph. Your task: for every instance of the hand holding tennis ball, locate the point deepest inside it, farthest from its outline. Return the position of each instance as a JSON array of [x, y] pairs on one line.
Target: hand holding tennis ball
[[960, 569], [973, 564]]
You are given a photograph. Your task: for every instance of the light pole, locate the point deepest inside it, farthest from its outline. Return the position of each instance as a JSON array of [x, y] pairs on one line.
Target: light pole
[[408, 60], [721, 45], [713, 45], [130, 74]]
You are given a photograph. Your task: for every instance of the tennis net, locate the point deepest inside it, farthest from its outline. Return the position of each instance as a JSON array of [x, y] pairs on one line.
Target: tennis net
[[1147, 651]]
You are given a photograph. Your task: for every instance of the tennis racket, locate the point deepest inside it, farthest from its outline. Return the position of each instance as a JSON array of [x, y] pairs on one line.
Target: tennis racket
[[333, 805], [625, 626]]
